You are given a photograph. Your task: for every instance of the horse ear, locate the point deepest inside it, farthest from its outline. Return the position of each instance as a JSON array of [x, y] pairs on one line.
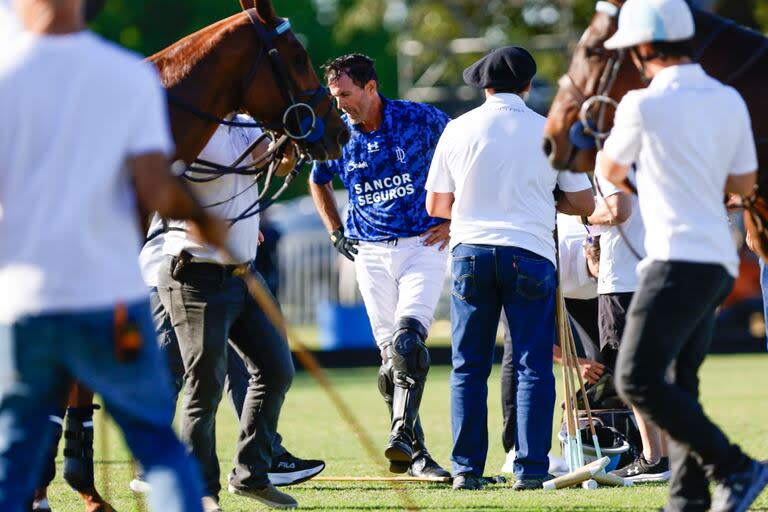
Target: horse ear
[[265, 9]]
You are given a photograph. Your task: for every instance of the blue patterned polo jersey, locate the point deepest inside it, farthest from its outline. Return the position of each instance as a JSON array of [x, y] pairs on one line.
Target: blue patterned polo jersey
[[384, 172]]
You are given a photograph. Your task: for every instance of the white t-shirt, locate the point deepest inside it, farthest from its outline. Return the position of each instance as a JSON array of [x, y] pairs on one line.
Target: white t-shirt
[[9, 22], [491, 159], [686, 132], [151, 257], [575, 281], [224, 147], [618, 266], [74, 109]]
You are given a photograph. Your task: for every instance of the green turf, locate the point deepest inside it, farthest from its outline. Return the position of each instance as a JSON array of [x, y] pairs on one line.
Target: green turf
[[733, 389]]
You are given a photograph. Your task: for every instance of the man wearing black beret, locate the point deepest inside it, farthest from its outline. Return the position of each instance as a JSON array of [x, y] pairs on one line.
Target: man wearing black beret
[[491, 178]]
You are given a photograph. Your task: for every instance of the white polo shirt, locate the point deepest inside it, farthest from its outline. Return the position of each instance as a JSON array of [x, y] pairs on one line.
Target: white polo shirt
[[226, 197], [618, 266], [74, 109], [686, 132], [491, 159]]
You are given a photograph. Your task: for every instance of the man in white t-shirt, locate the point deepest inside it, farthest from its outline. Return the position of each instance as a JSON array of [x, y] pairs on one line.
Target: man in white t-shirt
[[73, 304], [621, 248], [691, 139], [490, 177], [224, 147], [208, 306]]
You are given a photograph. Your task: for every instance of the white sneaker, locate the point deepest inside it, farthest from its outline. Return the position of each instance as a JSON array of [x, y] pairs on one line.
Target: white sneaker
[[509, 462], [557, 465], [140, 486]]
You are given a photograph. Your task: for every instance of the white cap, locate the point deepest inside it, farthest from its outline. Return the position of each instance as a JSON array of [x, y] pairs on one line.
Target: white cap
[[644, 21]]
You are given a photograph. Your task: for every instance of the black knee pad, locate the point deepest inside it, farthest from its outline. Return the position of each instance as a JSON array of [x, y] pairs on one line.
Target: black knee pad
[[410, 357], [78, 448], [386, 382]]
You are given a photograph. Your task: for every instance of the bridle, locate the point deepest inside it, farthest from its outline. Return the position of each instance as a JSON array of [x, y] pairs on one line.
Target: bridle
[[299, 124], [588, 133]]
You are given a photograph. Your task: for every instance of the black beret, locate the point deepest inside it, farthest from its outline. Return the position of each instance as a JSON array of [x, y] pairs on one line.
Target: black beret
[[509, 67]]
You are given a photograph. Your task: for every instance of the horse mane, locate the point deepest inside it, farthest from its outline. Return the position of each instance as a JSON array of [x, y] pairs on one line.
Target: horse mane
[[178, 60], [716, 18]]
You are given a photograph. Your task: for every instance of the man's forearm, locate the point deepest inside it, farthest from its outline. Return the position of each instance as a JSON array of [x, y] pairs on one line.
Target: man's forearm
[[325, 202]]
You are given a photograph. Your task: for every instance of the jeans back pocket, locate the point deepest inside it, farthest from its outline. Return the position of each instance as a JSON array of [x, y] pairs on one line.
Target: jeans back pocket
[[535, 277], [463, 271]]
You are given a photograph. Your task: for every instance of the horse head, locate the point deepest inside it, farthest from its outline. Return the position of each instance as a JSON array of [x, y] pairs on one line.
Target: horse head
[[589, 91], [283, 89]]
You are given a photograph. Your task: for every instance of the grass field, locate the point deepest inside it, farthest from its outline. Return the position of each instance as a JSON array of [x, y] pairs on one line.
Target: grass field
[[734, 390]]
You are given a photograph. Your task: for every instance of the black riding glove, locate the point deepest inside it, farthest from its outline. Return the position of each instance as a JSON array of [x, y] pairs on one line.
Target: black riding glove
[[344, 245]]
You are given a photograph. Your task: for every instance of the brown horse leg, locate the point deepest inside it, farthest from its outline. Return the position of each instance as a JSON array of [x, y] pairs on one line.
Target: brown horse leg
[[78, 449]]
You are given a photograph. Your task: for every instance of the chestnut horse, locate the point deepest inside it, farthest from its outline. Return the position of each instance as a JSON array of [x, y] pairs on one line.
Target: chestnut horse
[[597, 78], [249, 62]]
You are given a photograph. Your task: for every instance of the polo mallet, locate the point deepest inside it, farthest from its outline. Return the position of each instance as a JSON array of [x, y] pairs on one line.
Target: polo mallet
[[571, 365], [602, 477], [577, 473], [267, 304]]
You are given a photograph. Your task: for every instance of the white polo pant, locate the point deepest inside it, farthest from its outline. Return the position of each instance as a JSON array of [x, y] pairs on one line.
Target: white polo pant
[[399, 279]]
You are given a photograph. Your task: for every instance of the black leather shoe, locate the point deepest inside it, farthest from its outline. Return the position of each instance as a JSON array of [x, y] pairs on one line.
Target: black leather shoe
[[467, 482], [399, 451], [424, 466]]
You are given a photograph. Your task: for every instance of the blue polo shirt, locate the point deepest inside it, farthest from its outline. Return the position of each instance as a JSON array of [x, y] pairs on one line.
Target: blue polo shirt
[[384, 172]]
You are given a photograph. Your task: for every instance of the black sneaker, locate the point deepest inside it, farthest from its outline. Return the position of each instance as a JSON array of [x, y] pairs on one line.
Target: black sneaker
[[530, 484], [288, 470], [424, 466], [642, 471], [467, 482], [737, 492]]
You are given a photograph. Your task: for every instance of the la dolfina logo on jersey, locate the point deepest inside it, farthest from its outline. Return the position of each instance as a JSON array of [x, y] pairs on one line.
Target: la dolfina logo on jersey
[[385, 189]]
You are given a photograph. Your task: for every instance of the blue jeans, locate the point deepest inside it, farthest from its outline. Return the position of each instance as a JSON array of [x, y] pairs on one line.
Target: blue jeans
[[42, 355], [485, 279]]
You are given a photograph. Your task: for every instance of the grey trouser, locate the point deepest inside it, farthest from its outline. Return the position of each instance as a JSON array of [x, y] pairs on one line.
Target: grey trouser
[[207, 305], [236, 383]]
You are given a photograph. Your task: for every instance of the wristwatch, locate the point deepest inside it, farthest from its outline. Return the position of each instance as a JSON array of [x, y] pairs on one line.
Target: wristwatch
[[337, 235]]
